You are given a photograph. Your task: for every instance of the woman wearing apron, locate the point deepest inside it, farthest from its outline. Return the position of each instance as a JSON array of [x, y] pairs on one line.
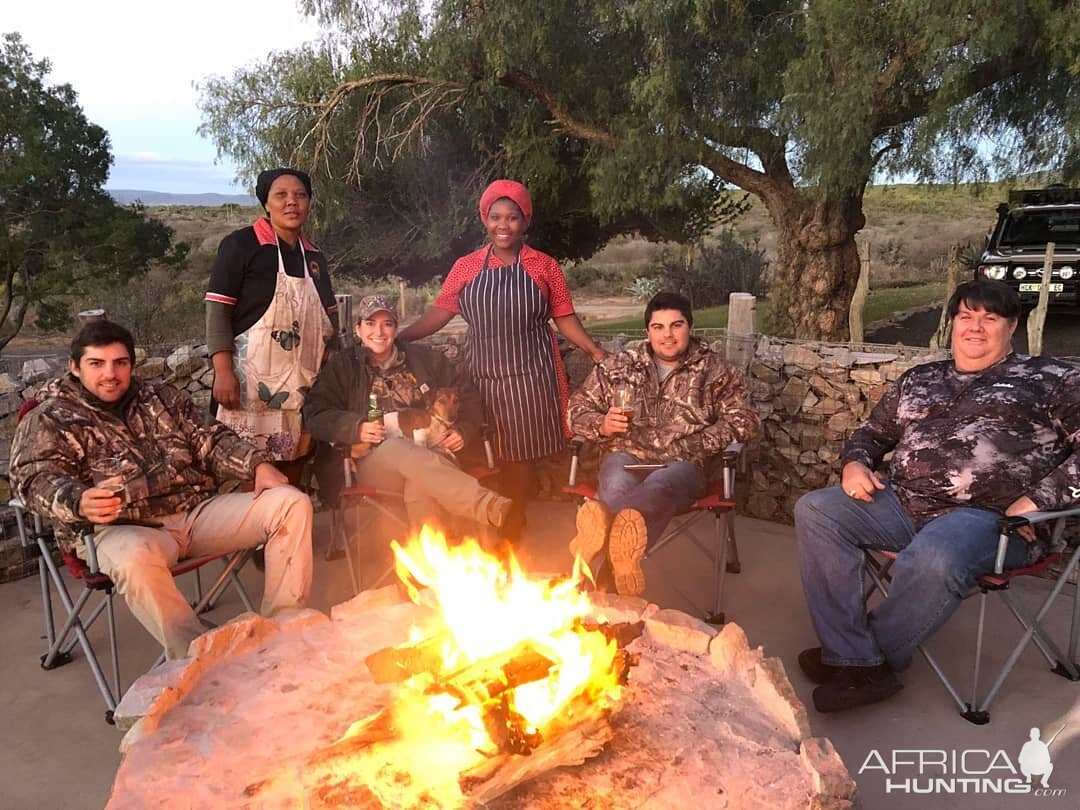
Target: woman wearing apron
[[507, 292], [270, 314]]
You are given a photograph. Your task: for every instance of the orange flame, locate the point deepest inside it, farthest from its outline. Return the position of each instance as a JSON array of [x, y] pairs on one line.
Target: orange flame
[[490, 607]]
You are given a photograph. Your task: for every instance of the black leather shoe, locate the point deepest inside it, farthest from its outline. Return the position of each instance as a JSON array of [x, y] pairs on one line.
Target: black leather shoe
[[856, 686], [814, 668]]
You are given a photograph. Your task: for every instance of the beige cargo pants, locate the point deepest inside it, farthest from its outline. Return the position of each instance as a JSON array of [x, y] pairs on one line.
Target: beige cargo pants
[[138, 558], [429, 483]]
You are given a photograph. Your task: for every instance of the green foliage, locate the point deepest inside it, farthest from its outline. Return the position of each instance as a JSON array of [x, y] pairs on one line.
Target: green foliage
[[708, 274], [624, 116], [58, 229]]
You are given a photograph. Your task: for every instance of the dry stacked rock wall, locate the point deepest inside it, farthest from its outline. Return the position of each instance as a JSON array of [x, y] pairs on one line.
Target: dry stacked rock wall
[[811, 396]]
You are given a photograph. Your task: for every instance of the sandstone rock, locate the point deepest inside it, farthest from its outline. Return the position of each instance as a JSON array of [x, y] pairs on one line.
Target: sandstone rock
[[763, 372], [868, 376], [773, 689], [828, 455], [144, 693], [35, 371], [140, 355], [201, 350], [367, 600], [9, 404], [617, 608], [809, 402], [726, 647], [808, 457], [830, 781], [872, 358], [299, 618], [793, 394], [183, 361], [680, 631], [9, 385], [152, 367], [201, 399], [821, 386], [801, 355], [245, 632]]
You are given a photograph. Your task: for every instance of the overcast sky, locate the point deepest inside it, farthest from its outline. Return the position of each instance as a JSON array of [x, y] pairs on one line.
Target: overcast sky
[[134, 64]]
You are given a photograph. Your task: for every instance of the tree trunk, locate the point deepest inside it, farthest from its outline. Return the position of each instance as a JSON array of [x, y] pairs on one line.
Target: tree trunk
[[817, 264]]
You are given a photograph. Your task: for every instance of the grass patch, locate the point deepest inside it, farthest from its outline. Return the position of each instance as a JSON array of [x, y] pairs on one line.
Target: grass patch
[[880, 304]]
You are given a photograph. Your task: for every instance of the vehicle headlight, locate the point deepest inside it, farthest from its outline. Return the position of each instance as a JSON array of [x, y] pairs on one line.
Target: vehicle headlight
[[1019, 273], [994, 271], [1066, 273]]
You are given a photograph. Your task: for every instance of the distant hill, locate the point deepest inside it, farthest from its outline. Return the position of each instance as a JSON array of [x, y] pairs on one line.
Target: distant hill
[[125, 196]]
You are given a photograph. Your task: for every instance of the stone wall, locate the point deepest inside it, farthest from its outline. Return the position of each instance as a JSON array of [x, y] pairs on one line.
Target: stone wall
[[811, 396]]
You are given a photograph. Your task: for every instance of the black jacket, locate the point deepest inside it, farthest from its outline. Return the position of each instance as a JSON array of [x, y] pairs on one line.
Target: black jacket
[[337, 403]]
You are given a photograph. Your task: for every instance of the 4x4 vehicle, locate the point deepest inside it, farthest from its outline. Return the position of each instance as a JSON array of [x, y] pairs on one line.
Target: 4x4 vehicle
[[1016, 247]]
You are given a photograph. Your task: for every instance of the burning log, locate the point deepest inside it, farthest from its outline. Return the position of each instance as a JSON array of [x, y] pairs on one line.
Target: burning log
[[502, 773], [396, 664]]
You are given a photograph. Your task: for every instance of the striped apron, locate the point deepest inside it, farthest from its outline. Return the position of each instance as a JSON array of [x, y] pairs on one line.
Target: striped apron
[[509, 349]]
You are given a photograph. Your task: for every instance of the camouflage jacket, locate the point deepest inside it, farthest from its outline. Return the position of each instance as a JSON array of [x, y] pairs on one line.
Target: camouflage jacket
[[977, 439], [701, 407], [183, 459]]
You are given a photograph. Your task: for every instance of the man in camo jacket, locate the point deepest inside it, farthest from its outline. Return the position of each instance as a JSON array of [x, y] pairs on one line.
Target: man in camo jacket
[[687, 406], [985, 434], [171, 463]]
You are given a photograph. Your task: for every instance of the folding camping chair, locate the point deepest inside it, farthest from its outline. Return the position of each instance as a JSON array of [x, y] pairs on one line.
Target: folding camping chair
[[1065, 562], [384, 502], [75, 627], [718, 501]]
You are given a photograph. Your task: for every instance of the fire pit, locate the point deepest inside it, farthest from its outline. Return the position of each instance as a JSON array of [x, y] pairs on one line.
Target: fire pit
[[489, 688]]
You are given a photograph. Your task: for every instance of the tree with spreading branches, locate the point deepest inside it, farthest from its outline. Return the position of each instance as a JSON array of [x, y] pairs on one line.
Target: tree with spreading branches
[[59, 231], [640, 106]]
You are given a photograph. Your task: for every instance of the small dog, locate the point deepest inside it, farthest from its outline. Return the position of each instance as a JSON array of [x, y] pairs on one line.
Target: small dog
[[425, 426]]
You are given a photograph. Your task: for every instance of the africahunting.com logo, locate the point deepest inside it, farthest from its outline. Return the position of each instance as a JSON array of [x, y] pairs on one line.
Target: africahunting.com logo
[[972, 771]]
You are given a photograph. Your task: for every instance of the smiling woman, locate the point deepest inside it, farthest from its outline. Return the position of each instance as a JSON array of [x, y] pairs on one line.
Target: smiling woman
[[270, 314], [508, 292]]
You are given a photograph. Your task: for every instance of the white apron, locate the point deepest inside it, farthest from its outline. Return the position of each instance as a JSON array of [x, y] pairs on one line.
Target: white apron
[[276, 362]]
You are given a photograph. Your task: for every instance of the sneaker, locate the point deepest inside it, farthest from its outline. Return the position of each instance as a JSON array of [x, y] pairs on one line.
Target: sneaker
[[856, 686], [814, 668], [593, 522], [498, 510], [626, 547]]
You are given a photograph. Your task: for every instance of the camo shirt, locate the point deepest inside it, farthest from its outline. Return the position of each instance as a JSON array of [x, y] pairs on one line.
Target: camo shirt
[[700, 408], [979, 439], [156, 426]]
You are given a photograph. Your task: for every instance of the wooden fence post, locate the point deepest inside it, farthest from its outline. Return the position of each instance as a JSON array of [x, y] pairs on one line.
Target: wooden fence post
[[942, 337], [1037, 318], [741, 326], [858, 298], [88, 315], [345, 319]]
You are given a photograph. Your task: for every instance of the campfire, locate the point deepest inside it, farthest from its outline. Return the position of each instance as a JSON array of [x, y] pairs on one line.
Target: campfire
[[512, 679]]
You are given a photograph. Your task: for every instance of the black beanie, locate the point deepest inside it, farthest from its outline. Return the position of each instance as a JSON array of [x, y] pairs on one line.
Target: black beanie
[[267, 178]]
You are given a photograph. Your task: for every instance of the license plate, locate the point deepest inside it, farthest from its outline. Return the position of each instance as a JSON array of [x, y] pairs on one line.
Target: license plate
[[1035, 288]]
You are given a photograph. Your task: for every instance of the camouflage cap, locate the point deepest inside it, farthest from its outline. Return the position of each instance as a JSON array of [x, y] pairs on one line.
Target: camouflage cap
[[370, 304]]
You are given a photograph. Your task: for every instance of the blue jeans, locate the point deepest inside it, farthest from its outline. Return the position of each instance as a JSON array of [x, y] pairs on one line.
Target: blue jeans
[[658, 495], [938, 565]]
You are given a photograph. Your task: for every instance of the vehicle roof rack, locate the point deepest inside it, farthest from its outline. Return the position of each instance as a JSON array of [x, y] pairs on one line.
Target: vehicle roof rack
[[1051, 195]]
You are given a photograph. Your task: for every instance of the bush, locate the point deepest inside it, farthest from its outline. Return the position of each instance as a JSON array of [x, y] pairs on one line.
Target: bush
[[709, 274], [160, 308]]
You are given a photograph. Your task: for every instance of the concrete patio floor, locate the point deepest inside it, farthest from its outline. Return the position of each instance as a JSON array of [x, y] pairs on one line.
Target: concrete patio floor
[[57, 752]]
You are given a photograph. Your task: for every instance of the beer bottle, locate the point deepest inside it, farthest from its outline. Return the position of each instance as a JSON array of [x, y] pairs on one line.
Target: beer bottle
[[374, 412]]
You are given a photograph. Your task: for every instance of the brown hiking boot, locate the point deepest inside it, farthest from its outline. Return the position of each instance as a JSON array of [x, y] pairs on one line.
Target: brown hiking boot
[[593, 521], [498, 510], [626, 547]]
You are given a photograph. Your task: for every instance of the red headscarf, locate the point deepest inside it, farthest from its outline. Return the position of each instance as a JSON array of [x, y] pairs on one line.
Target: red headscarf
[[506, 188]]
